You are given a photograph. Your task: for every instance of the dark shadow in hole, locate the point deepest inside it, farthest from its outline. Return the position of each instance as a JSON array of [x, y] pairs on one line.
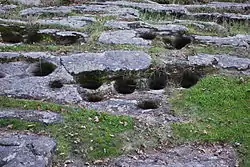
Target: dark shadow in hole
[[147, 35], [94, 98], [11, 36], [43, 68], [148, 104], [56, 84], [189, 79], [2, 75], [158, 80], [178, 41], [91, 84], [90, 80], [125, 86]]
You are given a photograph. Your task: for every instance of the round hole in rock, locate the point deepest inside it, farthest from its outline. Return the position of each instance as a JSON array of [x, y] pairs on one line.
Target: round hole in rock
[[178, 41], [43, 69], [56, 84], [125, 86], [94, 98], [11, 36], [189, 79], [148, 104], [147, 35], [91, 84], [2, 75], [158, 80]]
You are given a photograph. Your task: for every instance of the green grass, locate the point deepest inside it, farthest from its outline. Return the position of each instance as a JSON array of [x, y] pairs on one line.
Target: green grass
[[84, 133], [218, 109]]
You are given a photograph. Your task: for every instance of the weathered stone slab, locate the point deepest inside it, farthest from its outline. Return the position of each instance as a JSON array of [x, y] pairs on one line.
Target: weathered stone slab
[[222, 5], [19, 150], [61, 10], [158, 28], [154, 7], [107, 61], [238, 40], [47, 117], [70, 21], [187, 155], [123, 37], [223, 61], [220, 16], [5, 8], [29, 2], [64, 37]]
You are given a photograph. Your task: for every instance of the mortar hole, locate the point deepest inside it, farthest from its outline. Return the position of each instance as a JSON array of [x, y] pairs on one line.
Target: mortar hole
[[2, 75], [189, 79], [43, 69], [148, 104], [11, 36], [147, 35], [94, 98], [91, 84], [125, 86], [178, 42], [56, 84], [158, 80]]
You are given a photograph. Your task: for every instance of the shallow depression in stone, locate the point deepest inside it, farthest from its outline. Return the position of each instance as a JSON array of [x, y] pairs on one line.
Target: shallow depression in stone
[[189, 79], [125, 86], [158, 80], [56, 84], [148, 104], [2, 75], [43, 69]]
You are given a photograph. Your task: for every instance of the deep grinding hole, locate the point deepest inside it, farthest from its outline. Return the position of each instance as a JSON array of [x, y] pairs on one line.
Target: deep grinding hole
[[189, 79], [94, 98], [125, 86], [56, 84], [158, 80], [148, 104], [178, 42], [147, 35], [2, 75], [43, 69], [91, 84]]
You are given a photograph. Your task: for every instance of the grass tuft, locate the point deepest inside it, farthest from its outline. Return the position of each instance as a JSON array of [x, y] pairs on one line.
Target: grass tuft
[[218, 109]]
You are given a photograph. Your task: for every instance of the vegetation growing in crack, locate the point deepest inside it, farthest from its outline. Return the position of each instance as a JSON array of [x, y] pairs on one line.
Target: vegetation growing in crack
[[218, 110]]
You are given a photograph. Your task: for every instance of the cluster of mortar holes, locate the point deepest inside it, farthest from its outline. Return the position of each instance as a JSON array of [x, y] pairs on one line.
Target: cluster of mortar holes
[[43, 68], [178, 42], [94, 98], [147, 35], [125, 86], [158, 80], [91, 84], [148, 104], [2, 75], [57, 84], [189, 79]]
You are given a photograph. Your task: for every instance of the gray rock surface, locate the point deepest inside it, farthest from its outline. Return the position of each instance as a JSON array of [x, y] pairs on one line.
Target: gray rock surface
[[20, 150], [188, 155], [106, 61], [29, 2], [223, 61], [6, 8], [123, 37], [70, 21], [47, 117], [238, 40]]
